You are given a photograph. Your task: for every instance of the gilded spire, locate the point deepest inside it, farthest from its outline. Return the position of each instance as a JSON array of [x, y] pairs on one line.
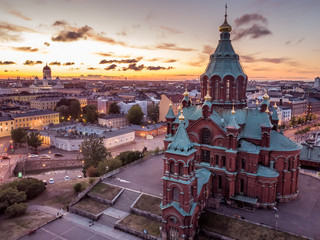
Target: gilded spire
[[265, 96], [179, 108], [267, 110], [181, 117], [207, 97], [257, 102], [186, 92], [170, 104], [233, 111], [275, 105], [225, 27]]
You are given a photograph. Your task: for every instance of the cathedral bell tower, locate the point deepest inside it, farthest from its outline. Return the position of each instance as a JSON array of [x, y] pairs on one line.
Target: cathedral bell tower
[[224, 77]]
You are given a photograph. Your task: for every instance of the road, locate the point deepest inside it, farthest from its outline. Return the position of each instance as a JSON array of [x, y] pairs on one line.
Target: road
[[58, 176]]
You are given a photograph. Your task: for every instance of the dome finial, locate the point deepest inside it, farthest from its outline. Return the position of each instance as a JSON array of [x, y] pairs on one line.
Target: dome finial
[[225, 27], [207, 97], [275, 105], [267, 110], [186, 92], [233, 111], [181, 117]]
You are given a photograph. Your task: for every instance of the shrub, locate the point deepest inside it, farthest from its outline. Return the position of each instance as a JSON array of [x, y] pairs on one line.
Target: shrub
[[77, 187], [92, 172], [91, 180], [16, 209], [12, 196], [110, 164], [31, 186], [129, 156], [156, 151]]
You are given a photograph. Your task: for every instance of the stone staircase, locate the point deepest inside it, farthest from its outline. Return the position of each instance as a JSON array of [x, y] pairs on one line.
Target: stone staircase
[[125, 200]]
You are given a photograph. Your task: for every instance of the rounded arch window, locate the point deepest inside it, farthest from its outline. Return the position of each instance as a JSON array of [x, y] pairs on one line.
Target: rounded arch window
[[205, 136]]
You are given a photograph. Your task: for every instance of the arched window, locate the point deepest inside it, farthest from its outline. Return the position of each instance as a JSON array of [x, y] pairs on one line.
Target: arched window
[[216, 89], [219, 182], [223, 161], [237, 91], [243, 164], [206, 136], [175, 194], [171, 167], [180, 169], [217, 160], [228, 90], [241, 186]]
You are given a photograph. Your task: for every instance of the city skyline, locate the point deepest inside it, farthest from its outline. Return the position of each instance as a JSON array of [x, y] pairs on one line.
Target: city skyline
[[146, 40]]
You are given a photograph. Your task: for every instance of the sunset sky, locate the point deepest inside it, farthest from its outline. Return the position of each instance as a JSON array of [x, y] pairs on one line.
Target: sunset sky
[[156, 40]]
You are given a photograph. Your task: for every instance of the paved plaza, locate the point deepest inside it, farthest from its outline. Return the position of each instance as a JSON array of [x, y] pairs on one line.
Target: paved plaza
[[144, 177]]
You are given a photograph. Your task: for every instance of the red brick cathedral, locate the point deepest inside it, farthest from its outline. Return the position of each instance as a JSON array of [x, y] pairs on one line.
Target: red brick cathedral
[[219, 150]]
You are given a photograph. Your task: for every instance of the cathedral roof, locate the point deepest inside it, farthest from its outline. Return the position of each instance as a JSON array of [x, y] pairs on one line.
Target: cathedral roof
[[224, 61], [46, 67], [170, 114], [265, 121], [274, 115], [181, 143], [266, 172], [203, 175]]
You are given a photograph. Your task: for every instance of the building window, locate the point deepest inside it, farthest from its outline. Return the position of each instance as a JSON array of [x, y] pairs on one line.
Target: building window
[[175, 194], [243, 164], [241, 185], [227, 90], [219, 182], [171, 167], [217, 160], [223, 161], [206, 136], [180, 169], [205, 156]]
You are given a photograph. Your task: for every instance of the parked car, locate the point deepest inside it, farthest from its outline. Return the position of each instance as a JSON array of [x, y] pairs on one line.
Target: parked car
[[58, 155], [45, 156], [33, 155], [45, 182], [51, 181], [66, 178], [79, 176]]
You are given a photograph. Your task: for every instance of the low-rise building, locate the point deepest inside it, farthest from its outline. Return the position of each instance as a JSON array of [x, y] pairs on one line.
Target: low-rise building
[[6, 125], [50, 103], [152, 129], [166, 100], [35, 119], [114, 121], [69, 136]]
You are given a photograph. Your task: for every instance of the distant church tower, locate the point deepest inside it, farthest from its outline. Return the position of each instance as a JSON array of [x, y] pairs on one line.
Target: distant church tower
[[46, 72]]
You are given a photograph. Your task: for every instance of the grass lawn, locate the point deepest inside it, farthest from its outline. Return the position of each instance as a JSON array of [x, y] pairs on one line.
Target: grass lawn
[[91, 206], [105, 191], [14, 228], [149, 204], [59, 194], [139, 223], [241, 230]]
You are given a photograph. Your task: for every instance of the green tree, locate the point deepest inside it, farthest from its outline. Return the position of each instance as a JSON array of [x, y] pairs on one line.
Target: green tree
[[75, 108], [31, 186], [64, 112], [16, 209], [18, 135], [90, 113], [78, 187], [92, 172], [34, 140], [108, 165], [10, 196], [93, 152], [114, 108], [293, 121], [129, 156], [63, 101], [153, 112], [135, 114]]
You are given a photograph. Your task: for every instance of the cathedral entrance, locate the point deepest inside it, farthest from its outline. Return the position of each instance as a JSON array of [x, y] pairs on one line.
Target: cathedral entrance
[[173, 233]]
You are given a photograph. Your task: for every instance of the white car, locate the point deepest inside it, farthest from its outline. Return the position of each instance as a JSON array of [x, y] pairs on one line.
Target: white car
[[44, 156], [51, 181], [66, 178], [33, 155], [79, 176]]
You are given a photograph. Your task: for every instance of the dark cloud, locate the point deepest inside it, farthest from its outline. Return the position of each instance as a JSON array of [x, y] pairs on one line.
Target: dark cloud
[[5, 70], [69, 36], [251, 25], [155, 68], [207, 49], [170, 61], [295, 42], [92, 68], [7, 63], [20, 15], [102, 38], [68, 64], [268, 60], [153, 59], [60, 23], [104, 61], [111, 67], [248, 58], [248, 18], [255, 31], [55, 63], [108, 54], [174, 47], [47, 44], [25, 49], [31, 63], [134, 67], [11, 32]]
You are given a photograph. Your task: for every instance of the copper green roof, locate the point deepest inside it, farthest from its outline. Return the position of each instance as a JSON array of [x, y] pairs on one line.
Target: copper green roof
[[274, 115], [203, 175], [232, 123], [265, 121], [170, 114], [279, 142], [177, 206], [266, 172]]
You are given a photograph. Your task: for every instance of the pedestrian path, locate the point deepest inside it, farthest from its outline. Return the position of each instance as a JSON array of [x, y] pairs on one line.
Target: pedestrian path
[[125, 200]]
